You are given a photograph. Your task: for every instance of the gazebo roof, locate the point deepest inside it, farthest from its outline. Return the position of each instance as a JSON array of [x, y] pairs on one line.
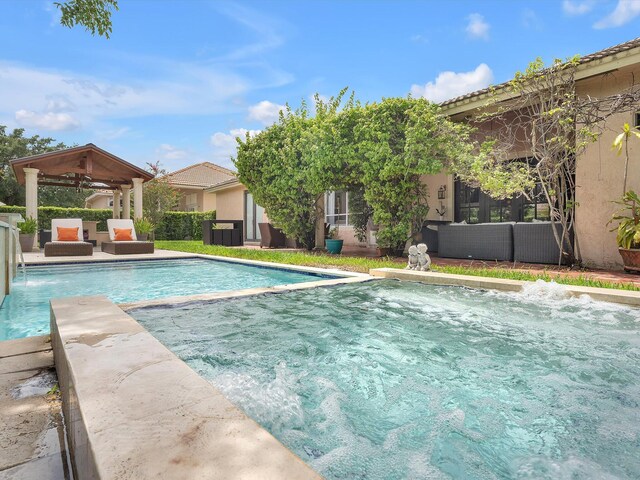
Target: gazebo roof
[[87, 166]]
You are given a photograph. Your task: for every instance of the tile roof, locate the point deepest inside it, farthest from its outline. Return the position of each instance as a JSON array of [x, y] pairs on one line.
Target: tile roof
[[201, 175], [607, 52]]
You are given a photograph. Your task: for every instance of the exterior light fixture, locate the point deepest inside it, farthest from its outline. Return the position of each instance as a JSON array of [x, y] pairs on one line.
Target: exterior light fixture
[[442, 192]]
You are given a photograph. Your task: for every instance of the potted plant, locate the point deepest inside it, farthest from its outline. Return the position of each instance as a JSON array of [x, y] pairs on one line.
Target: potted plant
[[143, 228], [333, 244], [628, 230], [27, 235]]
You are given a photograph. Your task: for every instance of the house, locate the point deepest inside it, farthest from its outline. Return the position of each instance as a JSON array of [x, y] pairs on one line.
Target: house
[[192, 183], [99, 199], [598, 178]]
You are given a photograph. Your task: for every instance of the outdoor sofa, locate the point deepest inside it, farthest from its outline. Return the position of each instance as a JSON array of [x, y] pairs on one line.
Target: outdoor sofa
[[67, 248], [124, 247], [527, 242]]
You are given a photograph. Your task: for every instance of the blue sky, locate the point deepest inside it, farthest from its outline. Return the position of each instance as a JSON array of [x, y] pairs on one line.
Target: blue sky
[[178, 80]]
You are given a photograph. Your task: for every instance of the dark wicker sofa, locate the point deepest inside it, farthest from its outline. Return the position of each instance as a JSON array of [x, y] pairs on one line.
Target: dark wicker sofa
[[481, 241], [535, 243]]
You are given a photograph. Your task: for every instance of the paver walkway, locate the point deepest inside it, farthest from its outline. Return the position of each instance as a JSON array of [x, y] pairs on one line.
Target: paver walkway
[[32, 438]]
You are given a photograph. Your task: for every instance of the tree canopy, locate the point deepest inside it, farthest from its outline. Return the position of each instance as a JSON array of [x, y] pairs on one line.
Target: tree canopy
[[16, 145], [94, 15], [378, 151]]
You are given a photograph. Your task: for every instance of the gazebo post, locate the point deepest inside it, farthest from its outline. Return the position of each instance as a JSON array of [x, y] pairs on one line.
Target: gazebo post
[[126, 201], [116, 204], [137, 197], [31, 191]]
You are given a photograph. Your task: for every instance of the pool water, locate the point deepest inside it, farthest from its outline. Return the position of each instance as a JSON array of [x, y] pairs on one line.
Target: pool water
[[390, 380], [25, 312]]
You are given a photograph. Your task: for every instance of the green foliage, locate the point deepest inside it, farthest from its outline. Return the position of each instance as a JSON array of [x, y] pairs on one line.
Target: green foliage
[[622, 143], [29, 226], [360, 213], [94, 15], [158, 196], [378, 151], [46, 214], [182, 225], [364, 264], [143, 226], [15, 145], [628, 216]]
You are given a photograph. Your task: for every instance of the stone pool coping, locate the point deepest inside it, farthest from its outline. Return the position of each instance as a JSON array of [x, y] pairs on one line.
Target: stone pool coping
[[134, 410], [626, 297]]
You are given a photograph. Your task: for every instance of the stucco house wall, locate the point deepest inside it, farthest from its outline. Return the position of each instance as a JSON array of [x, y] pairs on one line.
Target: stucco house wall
[[599, 175], [99, 202]]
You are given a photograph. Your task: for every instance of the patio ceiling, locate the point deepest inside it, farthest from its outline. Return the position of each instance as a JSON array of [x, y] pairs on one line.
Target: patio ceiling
[[87, 166]]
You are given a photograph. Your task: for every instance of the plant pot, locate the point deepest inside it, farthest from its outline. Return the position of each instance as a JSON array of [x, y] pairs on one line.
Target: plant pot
[[631, 259], [334, 246], [26, 241], [143, 237]]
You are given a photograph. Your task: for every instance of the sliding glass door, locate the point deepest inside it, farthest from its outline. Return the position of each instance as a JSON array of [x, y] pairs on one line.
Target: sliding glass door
[[253, 215]]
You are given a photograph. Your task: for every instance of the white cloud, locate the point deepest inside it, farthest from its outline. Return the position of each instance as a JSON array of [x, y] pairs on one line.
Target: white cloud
[[169, 152], [530, 19], [477, 27], [451, 84], [265, 112], [625, 11], [418, 38], [574, 8], [225, 144], [46, 121]]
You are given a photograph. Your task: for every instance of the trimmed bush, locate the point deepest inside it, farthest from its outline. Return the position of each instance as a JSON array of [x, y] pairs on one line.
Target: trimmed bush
[[174, 225], [182, 225], [45, 214]]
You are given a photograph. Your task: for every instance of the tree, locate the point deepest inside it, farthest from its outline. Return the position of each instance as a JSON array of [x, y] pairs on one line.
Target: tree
[[158, 196], [15, 145], [399, 141], [94, 15], [540, 112]]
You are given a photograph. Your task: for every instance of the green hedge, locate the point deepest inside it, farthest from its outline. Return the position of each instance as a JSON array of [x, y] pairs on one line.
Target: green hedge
[[45, 214], [182, 225], [174, 226]]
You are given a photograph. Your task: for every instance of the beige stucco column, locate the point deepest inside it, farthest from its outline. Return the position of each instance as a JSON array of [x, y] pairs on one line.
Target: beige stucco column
[[137, 198], [126, 201], [116, 204], [31, 191]]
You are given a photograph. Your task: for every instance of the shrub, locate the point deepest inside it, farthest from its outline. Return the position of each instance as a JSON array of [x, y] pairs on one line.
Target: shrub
[[46, 214], [182, 225]]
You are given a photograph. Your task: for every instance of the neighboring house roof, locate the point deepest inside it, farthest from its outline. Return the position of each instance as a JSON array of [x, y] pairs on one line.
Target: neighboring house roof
[[231, 183], [592, 64], [201, 175]]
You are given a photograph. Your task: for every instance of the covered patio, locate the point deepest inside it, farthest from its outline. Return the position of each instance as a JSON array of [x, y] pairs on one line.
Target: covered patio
[[87, 166]]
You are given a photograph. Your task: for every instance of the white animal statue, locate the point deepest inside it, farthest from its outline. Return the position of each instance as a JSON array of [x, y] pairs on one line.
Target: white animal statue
[[424, 260], [412, 263]]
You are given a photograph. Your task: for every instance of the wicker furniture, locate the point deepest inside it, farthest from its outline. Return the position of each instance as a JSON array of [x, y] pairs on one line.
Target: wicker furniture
[[129, 247], [270, 236], [535, 243], [55, 248], [481, 241], [229, 237]]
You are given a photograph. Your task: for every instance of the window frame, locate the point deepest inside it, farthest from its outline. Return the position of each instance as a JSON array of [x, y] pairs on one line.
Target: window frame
[[330, 217]]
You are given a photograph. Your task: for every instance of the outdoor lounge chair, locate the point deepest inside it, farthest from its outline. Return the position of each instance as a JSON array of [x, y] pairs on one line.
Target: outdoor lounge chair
[[125, 247], [270, 236], [58, 248]]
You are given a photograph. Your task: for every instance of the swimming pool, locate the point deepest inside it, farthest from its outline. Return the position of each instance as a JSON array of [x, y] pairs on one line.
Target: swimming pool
[[25, 312], [390, 380]]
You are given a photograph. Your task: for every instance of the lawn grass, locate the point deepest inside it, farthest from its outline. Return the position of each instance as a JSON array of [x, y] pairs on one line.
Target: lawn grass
[[363, 265]]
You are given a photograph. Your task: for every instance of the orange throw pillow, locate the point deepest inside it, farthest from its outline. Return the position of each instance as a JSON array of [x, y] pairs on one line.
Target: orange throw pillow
[[123, 235], [68, 234]]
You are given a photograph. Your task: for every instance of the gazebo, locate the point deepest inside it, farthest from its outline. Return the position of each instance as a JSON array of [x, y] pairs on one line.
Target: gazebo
[[82, 167]]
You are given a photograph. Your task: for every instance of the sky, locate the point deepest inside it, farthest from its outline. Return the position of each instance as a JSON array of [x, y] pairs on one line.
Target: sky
[[179, 80]]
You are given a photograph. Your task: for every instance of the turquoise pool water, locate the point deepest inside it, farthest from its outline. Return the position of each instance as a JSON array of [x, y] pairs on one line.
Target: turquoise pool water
[[392, 380], [25, 312]]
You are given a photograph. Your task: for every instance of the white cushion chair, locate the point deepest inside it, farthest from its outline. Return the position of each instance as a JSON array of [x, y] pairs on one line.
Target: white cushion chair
[[57, 248], [124, 247]]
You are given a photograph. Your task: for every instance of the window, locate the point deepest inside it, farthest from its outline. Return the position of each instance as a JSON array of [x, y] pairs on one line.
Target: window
[[637, 119], [536, 207], [337, 208], [467, 203], [191, 202]]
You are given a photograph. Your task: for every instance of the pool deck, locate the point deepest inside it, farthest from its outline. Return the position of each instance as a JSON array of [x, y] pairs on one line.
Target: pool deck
[[38, 258], [32, 444]]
